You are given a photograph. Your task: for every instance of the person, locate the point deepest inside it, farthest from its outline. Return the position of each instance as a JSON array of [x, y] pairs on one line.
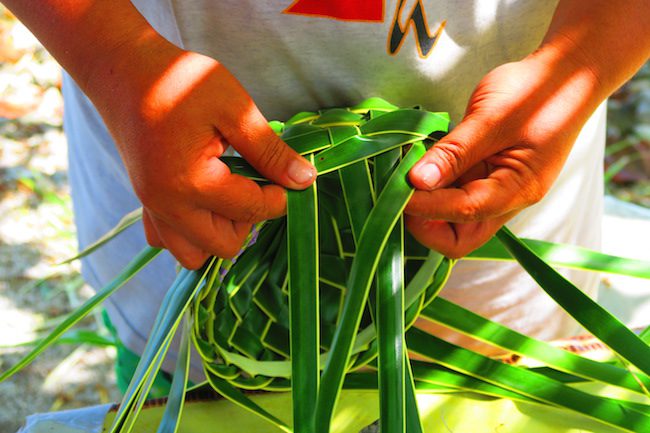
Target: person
[[152, 103]]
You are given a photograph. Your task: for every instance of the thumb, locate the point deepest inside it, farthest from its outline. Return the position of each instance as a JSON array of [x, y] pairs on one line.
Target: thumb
[[271, 157], [456, 153]]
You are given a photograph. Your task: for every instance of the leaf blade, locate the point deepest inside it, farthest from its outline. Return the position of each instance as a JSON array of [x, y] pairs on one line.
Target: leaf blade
[[587, 312], [302, 238]]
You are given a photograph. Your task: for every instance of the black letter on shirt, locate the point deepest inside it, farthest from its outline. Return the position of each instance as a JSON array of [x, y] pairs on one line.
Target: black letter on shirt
[[423, 38]]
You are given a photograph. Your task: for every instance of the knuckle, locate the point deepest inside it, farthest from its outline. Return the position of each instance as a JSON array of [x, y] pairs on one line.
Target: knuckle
[[191, 261], [531, 191], [451, 154], [454, 252], [154, 194], [469, 211], [273, 152], [458, 249], [536, 193], [229, 250], [152, 240], [224, 243], [535, 196], [195, 188], [230, 253], [253, 212]]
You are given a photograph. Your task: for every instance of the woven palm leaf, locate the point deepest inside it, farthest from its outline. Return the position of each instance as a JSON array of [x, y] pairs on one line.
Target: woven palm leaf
[[243, 323], [337, 284], [324, 300]]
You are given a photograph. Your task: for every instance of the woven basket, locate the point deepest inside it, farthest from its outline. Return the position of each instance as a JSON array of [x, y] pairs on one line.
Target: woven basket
[[242, 316]]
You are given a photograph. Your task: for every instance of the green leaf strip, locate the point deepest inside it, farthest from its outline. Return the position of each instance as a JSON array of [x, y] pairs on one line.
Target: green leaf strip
[[425, 372], [358, 194], [171, 418], [381, 220], [435, 378], [358, 148], [240, 166], [390, 332], [382, 133], [454, 316], [75, 336], [302, 237], [174, 304], [127, 221], [134, 266], [413, 423], [135, 409], [567, 256], [239, 398], [390, 315], [586, 311], [526, 382], [406, 121]]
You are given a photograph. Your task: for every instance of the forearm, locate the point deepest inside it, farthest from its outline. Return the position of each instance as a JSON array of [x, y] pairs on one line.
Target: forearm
[[83, 35], [607, 41]]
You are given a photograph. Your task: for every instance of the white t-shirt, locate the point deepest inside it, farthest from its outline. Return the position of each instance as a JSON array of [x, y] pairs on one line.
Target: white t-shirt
[[304, 55]]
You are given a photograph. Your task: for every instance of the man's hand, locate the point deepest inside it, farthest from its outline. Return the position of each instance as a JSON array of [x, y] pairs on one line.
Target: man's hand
[[181, 111], [520, 124], [172, 114], [518, 130], [175, 116]]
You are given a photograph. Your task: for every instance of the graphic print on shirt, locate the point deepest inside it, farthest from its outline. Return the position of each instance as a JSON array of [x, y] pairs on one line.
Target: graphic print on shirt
[[416, 19], [372, 11], [346, 10]]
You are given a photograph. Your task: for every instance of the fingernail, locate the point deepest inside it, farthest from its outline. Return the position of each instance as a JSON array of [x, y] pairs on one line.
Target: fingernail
[[429, 174], [301, 172]]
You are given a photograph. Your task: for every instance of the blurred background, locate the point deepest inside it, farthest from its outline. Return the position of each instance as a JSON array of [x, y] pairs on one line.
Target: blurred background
[[37, 232], [37, 228]]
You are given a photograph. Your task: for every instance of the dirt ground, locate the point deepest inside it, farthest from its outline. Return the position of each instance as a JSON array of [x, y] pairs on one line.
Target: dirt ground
[[37, 228]]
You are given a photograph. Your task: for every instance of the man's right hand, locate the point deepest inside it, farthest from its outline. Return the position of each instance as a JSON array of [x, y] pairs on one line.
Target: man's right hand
[[172, 114]]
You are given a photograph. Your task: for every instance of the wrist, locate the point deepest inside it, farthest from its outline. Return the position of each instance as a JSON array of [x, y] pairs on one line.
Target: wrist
[[119, 64], [122, 80], [84, 36], [567, 76], [608, 41]]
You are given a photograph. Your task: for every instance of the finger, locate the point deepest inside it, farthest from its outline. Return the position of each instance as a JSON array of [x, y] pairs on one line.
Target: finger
[[212, 233], [463, 148], [219, 236], [477, 200], [255, 205], [479, 171], [150, 232], [236, 197], [452, 239], [189, 255], [249, 133]]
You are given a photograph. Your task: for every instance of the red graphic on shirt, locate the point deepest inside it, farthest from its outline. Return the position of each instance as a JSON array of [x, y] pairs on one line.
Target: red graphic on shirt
[[348, 10]]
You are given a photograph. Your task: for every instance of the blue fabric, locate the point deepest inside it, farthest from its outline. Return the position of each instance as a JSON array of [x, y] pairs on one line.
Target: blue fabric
[[101, 196], [84, 420]]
